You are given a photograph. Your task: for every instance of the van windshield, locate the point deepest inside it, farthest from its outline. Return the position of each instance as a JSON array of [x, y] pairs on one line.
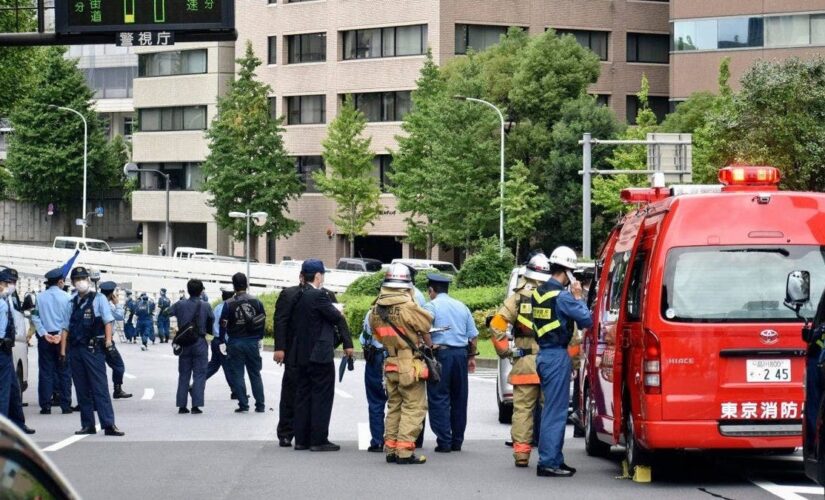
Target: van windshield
[[445, 268], [372, 266], [738, 284], [99, 246]]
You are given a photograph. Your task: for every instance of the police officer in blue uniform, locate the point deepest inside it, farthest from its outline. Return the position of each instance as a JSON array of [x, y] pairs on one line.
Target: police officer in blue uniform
[[129, 313], [11, 401], [218, 359], [113, 358], [193, 359], [554, 311], [50, 319], [144, 309], [163, 319], [456, 350], [89, 335]]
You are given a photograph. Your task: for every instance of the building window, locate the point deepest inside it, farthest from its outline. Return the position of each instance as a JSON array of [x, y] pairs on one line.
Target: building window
[[593, 40], [477, 37], [177, 118], [660, 105], [694, 35], [740, 32], [179, 62], [128, 127], [647, 48], [186, 176], [272, 50], [110, 83], [385, 42], [273, 113], [306, 165], [796, 30], [309, 47], [306, 109], [384, 106], [783, 31], [382, 169], [602, 99]]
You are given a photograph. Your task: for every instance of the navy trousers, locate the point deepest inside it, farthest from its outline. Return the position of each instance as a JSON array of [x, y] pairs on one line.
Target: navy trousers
[[376, 398], [51, 376], [11, 400], [218, 360], [129, 330], [163, 327], [244, 354], [91, 386], [145, 330], [554, 367], [115, 362], [448, 398], [192, 367]]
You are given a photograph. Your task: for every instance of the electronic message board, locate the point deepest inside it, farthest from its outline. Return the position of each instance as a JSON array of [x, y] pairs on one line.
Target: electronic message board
[[113, 16]]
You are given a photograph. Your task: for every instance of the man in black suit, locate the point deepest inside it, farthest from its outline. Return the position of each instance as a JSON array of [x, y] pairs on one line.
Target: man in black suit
[[284, 338], [315, 321]]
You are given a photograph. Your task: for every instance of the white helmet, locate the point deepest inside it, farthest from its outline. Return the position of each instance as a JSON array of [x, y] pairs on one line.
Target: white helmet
[[564, 257], [538, 268], [398, 276]]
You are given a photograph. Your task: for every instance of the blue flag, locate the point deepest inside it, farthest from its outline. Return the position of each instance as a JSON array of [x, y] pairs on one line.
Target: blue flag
[[67, 267]]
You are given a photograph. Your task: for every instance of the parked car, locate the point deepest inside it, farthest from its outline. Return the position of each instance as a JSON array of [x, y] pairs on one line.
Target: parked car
[[192, 252], [75, 243], [439, 265], [359, 264]]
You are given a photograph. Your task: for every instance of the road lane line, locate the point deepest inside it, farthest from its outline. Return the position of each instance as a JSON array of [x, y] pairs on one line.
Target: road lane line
[[480, 379], [148, 394], [129, 376], [788, 492], [343, 394], [66, 442], [364, 436]]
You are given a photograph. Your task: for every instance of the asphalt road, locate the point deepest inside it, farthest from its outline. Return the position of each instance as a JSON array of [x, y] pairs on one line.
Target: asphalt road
[[222, 455]]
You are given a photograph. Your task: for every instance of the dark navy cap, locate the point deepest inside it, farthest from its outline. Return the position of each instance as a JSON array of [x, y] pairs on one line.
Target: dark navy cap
[[12, 273], [107, 287], [79, 272], [144, 296], [313, 266], [439, 278], [162, 290], [54, 274], [6, 276], [128, 293]]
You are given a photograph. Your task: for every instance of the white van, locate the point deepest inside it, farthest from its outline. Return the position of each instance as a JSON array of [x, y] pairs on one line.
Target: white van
[[74, 243], [192, 252], [440, 265]]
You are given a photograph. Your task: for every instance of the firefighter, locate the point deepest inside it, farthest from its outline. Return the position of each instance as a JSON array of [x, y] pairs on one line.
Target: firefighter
[[400, 324], [517, 311], [554, 310]]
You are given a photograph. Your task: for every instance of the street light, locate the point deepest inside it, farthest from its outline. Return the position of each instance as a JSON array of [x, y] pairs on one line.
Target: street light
[[259, 217], [501, 181], [85, 156], [132, 169]]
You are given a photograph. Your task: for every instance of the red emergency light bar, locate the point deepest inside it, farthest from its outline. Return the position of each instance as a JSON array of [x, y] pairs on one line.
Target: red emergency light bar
[[742, 175], [644, 195]]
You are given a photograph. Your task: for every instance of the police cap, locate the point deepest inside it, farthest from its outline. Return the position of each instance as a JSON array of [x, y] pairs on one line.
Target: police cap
[[79, 272], [12, 273], [54, 275], [144, 295], [6, 276], [439, 278], [162, 290], [107, 287]]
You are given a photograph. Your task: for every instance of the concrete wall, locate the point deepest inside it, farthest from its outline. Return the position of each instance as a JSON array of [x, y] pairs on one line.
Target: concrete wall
[[28, 223]]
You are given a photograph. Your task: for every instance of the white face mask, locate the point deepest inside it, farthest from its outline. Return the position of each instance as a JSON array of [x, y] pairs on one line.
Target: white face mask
[[82, 286], [10, 289]]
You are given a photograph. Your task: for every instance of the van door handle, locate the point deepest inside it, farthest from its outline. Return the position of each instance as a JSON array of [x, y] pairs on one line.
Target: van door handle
[[626, 337]]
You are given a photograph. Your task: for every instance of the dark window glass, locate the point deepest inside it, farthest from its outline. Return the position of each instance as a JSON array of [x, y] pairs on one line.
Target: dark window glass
[[647, 48], [382, 169], [182, 176], [602, 99], [309, 47], [740, 32], [658, 104], [272, 50], [385, 42], [306, 109], [111, 83], [170, 119], [593, 40], [384, 106], [179, 62], [306, 165], [476, 36], [635, 289]]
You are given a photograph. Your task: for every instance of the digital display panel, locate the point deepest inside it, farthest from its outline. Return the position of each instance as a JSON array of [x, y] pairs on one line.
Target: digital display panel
[[83, 16]]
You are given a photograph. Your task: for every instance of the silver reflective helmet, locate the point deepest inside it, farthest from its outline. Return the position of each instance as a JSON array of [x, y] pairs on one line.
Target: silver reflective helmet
[[538, 268], [398, 276]]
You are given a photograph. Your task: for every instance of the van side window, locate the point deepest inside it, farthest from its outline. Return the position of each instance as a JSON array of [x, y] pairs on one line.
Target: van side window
[[617, 278], [635, 290]]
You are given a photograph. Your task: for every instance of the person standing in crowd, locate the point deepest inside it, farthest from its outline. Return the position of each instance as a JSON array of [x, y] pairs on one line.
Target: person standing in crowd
[[11, 400], [89, 334], [128, 325], [113, 358], [243, 322], [554, 311], [144, 310], [218, 360], [50, 319], [193, 359], [456, 351], [316, 320], [284, 339], [163, 319]]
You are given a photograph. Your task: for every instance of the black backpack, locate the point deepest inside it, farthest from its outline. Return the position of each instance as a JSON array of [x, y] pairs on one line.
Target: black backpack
[[189, 333]]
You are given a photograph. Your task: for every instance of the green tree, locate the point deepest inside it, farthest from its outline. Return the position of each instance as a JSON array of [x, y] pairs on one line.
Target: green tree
[[247, 166], [45, 154], [17, 75], [523, 207], [350, 181]]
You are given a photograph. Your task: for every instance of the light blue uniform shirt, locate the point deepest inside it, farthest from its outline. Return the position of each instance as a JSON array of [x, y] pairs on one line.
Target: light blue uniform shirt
[[366, 330], [216, 325], [53, 311], [4, 317], [101, 308], [448, 311], [117, 312]]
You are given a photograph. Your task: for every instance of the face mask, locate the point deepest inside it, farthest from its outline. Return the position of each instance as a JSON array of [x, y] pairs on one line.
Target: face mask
[[10, 289], [82, 286]]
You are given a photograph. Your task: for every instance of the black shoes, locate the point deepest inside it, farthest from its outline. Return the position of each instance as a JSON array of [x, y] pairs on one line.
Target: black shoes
[[456, 447], [241, 409], [45, 411], [260, 409], [300, 447], [411, 460], [391, 459], [66, 411], [196, 410], [508, 444], [375, 449], [569, 469], [86, 430], [113, 431], [442, 449], [554, 472], [75, 408], [284, 442], [183, 410], [27, 429], [119, 393], [325, 447]]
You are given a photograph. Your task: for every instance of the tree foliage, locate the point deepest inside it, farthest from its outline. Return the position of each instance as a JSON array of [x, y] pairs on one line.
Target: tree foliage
[[350, 181], [523, 206], [247, 166], [487, 267], [17, 73]]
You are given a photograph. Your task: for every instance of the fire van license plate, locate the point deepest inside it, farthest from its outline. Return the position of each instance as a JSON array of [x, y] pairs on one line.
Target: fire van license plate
[[769, 370]]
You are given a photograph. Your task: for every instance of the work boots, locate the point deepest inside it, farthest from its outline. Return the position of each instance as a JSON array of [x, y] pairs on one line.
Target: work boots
[[411, 460], [521, 459], [119, 394]]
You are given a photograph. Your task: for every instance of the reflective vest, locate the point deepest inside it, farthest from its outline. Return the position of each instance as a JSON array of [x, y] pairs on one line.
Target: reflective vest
[[546, 324], [524, 320], [84, 325]]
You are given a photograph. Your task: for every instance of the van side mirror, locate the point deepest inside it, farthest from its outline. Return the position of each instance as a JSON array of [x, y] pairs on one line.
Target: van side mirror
[[798, 290]]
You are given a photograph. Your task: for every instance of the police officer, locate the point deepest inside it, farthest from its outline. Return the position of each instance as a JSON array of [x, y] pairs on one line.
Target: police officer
[[113, 358], [554, 311], [50, 319], [517, 313], [394, 318], [455, 349], [11, 401], [218, 345], [163, 319], [193, 358], [144, 309], [129, 312], [89, 335]]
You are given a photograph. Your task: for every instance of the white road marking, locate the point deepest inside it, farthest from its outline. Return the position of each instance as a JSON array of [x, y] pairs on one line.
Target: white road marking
[[129, 376], [364, 436], [343, 394], [480, 379], [788, 492], [148, 394], [66, 442]]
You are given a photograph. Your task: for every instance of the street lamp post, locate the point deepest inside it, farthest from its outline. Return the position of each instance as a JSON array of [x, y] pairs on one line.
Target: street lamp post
[[85, 156], [501, 160], [132, 168], [248, 215]]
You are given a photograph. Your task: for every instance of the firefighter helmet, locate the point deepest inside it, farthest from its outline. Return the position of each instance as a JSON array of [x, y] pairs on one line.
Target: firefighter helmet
[[398, 276], [564, 257], [538, 268]]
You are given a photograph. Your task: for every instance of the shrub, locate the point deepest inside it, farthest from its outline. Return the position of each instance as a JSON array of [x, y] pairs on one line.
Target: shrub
[[371, 284], [486, 267]]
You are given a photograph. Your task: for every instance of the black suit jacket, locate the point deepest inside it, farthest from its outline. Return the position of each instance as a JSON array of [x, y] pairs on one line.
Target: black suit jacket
[[314, 320], [284, 326]]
